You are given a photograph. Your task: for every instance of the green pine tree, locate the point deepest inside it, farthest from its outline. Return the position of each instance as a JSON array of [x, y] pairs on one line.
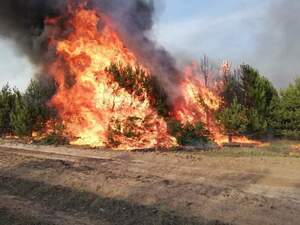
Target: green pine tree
[[286, 114], [36, 98], [20, 117], [234, 119], [255, 94], [7, 99]]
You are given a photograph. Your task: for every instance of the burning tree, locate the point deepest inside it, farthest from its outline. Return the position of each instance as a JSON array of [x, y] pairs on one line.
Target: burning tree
[[117, 101], [113, 86], [105, 100]]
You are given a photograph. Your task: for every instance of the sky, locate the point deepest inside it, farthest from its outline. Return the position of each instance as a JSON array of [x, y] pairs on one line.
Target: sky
[[188, 29], [220, 29], [14, 68]]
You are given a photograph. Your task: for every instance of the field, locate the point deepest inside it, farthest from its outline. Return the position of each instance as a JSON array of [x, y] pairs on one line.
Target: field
[[41, 185]]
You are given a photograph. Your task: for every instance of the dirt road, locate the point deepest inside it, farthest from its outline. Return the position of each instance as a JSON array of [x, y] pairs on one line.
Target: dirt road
[[47, 185]]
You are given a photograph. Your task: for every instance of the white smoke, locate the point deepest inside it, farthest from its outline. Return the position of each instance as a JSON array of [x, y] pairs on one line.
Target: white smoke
[[278, 48]]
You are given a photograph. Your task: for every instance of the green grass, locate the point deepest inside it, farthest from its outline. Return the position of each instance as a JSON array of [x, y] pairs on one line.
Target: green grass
[[272, 149]]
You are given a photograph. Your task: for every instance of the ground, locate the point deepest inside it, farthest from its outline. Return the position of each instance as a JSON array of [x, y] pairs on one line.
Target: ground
[[42, 185]]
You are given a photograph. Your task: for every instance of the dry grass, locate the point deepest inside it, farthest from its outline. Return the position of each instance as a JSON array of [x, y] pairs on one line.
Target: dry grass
[[282, 148]]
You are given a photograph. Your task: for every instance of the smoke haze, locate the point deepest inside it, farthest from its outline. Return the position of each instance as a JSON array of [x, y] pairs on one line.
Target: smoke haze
[[278, 43]]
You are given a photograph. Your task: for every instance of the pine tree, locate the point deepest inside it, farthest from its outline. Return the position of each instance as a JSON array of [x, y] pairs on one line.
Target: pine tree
[[36, 98], [255, 94], [286, 116], [7, 98], [234, 119], [20, 117], [258, 95]]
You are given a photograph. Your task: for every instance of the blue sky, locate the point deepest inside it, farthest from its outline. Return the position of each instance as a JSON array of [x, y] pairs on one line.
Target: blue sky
[[188, 29], [221, 29]]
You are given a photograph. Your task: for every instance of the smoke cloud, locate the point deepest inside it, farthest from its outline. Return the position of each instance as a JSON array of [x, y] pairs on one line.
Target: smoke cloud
[[278, 47], [135, 19], [24, 22]]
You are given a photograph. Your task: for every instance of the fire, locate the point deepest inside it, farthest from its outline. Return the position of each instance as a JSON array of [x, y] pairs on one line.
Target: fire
[[96, 110], [94, 105], [199, 103]]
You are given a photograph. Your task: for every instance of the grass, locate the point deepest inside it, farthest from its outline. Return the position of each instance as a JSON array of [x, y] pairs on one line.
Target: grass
[[270, 149]]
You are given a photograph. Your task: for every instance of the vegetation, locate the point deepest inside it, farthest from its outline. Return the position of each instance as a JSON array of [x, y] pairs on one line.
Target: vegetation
[[137, 82], [234, 119], [286, 112], [22, 114], [277, 148], [251, 106], [250, 97], [7, 102], [188, 134]]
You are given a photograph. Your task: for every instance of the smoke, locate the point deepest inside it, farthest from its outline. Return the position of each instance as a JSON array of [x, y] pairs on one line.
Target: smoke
[[278, 47], [134, 20], [24, 22]]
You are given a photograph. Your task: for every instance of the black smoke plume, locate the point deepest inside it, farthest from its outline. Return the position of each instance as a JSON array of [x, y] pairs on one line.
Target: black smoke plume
[[23, 21]]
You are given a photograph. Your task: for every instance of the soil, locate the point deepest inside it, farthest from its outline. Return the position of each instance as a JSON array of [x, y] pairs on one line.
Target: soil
[[65, 186]]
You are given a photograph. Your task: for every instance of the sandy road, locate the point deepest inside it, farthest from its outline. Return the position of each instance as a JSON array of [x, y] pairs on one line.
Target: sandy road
[[47, 185]]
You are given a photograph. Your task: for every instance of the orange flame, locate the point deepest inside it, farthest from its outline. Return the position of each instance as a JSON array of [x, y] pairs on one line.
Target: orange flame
[[199, 103], [97, 111], [94, 102]]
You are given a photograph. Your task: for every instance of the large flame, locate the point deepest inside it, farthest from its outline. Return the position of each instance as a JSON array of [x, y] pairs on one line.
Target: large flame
[[199, 103], [92, 103], [96, 110]]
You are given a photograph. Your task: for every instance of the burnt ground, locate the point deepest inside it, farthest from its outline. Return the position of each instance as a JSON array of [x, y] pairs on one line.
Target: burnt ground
[[48, 185]]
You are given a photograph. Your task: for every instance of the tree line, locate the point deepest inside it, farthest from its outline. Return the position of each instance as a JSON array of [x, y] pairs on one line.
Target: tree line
[[252, 106], [23, 113]]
